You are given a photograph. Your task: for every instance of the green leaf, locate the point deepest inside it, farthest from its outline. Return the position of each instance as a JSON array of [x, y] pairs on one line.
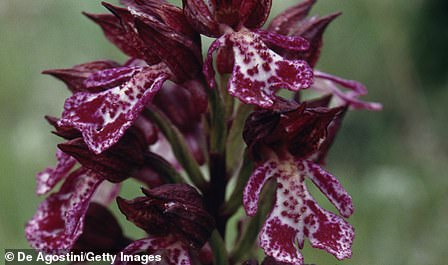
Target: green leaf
[[178, 145], [220, 256], [244, 246], [235, 144]]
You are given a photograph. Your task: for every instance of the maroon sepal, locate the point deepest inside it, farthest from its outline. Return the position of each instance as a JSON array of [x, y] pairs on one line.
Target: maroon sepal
[[174, 209], [102, 232], [67, 133], [248, 13], [211, 17], [312, 30], [119, 29], [299, 129], [332, 130], [182, 61], [254, 13], [285, 22], [115, 164], [201, 15], [74, 77], [162, 31], [168, 20]]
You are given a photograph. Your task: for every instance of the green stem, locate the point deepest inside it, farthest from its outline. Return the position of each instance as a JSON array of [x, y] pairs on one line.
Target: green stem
[[234, 202], [220, 256], [178, 145], [214, 196]]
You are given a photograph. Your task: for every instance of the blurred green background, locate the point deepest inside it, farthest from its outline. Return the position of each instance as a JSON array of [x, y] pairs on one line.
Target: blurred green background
[[393, 163]]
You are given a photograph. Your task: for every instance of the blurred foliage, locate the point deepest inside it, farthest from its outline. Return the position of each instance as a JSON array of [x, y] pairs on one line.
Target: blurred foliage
[[393, 163], [429, 42]]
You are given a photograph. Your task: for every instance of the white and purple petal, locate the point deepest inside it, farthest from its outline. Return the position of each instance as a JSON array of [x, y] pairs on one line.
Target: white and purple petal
[[111, 77], [255, 184], [352, 85], [258, 72], [106, 193], [104, 117], [279, 241], [49, 177], [328, 185], [325, 83], [297, 215], [59, 219]]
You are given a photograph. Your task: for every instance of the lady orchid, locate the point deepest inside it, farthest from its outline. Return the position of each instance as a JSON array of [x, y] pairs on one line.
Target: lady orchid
[[162, 119]]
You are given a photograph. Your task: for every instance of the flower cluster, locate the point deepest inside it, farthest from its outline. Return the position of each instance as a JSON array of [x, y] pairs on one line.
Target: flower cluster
[[162, 119]]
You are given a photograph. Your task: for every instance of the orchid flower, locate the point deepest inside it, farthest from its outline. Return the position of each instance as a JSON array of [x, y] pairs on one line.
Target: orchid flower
[[294, 139], [257, 71]]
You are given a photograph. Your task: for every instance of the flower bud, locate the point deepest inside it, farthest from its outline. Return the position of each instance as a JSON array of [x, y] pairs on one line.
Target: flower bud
[[115, 164], [101, 233], [298, 129], [174, 209]]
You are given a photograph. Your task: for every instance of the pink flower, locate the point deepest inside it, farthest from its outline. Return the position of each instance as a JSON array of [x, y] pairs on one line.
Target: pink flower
[[257, 71], [288, 144]]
